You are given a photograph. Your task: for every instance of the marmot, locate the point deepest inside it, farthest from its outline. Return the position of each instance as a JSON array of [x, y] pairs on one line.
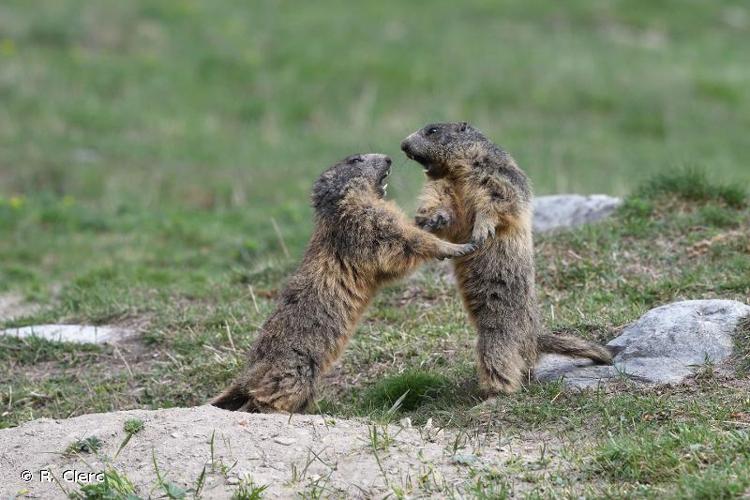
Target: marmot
[[476, 192], [359, 242]]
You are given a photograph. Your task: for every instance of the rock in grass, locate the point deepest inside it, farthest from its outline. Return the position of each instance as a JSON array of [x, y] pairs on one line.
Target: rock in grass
[[569, 210], [664, 346], [80, 334]]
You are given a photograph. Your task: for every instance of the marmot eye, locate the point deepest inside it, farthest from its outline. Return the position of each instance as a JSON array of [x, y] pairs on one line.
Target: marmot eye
[[431, 130], [357, 159]]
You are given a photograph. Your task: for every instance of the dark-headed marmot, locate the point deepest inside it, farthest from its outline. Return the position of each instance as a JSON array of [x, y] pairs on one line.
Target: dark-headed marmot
[[360, 241], [476, 192]]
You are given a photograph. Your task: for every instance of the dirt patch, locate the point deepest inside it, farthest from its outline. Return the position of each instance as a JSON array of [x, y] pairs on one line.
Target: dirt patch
[[13, 306], [302, 453]]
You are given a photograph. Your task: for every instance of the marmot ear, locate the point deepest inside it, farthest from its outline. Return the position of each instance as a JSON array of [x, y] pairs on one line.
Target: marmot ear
[[462, 126]]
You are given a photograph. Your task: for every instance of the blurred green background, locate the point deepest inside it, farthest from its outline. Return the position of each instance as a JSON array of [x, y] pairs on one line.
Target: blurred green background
[[206, 120]]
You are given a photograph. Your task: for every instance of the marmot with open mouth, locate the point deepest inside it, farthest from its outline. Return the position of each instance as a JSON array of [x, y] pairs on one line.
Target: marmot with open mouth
[[359, 243]]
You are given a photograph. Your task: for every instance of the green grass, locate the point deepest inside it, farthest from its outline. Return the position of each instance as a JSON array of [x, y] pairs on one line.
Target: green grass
[[590, 97], [678, 450], [88, 445], [156, 160], [411, 390], [114, 485], [133, 426], [248, 490], [693, 184]]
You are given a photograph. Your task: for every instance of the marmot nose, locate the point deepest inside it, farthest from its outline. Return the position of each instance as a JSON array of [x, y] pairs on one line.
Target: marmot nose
[[388, 161], [404, 145]]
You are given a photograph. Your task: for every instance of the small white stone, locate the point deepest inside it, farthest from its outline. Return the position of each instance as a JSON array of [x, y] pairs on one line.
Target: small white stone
[[80, 334]]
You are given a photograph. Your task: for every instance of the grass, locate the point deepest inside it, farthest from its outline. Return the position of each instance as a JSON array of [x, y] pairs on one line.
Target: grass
[[133, 426], [115, 485], [411, 390], [693, 184], [88, 445], [413, 356], [248, 490], [156, 159], [679, 451]]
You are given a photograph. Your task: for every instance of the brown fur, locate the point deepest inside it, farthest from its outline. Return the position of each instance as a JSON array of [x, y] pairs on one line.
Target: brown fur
[[477, 193], [360, 241]]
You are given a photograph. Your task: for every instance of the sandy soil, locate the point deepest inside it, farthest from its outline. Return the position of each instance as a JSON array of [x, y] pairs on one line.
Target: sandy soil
[[301, 454], [13, 306]]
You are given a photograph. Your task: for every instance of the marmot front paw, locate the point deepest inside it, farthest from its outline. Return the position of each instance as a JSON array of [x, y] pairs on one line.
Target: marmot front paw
[[482, 233], [459, 250], [433, 222]]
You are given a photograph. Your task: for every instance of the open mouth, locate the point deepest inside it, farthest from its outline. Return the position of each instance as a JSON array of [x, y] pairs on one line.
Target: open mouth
[[383, 182]]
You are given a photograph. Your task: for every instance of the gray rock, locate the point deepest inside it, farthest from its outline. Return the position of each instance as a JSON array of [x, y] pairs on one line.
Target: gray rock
[[665, 346], [80, 334], [569, 210]]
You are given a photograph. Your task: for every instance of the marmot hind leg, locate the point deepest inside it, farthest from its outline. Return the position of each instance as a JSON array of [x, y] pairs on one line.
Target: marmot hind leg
[[235, 398], [267, 388], [501, 371]]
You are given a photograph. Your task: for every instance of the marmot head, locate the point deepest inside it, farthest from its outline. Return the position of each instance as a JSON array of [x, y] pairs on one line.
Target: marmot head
[[365, 174], [439, 146]]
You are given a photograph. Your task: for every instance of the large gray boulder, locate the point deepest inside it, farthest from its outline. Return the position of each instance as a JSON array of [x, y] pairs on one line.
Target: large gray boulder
[[665, 346], [569, 210]]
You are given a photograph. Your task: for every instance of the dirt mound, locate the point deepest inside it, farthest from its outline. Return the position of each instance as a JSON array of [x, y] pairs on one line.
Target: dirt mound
[[302, 453]]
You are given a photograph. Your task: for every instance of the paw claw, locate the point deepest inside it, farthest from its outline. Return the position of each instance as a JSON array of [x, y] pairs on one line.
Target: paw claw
[[464, 250], [481, 235]]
